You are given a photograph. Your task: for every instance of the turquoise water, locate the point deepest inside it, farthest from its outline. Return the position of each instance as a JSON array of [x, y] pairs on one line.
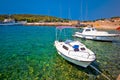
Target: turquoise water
[[28, 53]]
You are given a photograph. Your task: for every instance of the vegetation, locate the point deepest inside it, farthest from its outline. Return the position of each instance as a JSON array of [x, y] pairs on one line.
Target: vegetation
[[2, 17], [115, 17], [33, 18]]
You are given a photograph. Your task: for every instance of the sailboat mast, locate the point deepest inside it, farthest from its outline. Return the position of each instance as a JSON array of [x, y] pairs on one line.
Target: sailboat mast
[[69, 15], [81, 10], [86, 10]]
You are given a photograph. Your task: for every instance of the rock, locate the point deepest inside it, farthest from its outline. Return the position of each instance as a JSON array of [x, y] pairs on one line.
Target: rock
[[118, 78]]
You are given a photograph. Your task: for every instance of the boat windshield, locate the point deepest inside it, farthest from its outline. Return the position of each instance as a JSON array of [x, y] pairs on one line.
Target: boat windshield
[[68, 41], [87, 30], [82, 48], [81, 30], [66, 48], [93, 29]]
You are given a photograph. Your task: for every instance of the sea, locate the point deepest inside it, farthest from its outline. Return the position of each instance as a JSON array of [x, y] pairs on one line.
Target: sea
[[28, 53]]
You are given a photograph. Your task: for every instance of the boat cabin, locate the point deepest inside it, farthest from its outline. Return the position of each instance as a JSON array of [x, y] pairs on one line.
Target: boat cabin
[[73, 45], [87, 29]]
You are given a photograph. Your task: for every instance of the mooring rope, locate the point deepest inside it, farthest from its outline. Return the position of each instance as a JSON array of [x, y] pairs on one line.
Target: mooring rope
[[100, 72]]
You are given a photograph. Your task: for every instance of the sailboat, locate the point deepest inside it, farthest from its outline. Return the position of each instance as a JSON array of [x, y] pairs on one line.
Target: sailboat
[[74, 51]]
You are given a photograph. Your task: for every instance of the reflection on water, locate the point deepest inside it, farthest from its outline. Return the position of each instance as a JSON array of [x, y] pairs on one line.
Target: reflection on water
[[28, 52]]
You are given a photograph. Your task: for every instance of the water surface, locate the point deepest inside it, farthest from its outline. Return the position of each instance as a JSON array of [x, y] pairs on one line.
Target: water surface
[[28, 52]]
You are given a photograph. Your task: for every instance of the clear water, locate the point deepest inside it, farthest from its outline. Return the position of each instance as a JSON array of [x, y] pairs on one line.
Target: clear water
[[28, 53]]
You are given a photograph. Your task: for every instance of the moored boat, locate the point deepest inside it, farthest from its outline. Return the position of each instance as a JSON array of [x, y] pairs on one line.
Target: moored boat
[[93, 34], [8, 22], [75, 52]]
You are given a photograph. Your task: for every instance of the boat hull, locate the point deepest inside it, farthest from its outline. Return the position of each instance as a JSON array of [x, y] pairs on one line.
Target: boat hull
[[77, 62], [97, 38], [13, 23]]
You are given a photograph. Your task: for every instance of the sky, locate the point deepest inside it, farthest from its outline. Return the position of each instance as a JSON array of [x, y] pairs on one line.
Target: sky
[[72, 9]]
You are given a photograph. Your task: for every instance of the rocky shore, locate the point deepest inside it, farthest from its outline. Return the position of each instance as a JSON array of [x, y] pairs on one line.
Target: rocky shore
[[100, 24], [50, 24], [112, 23]]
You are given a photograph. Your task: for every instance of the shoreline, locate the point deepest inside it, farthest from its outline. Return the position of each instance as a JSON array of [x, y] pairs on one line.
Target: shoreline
[[49, 24], [105, 27]]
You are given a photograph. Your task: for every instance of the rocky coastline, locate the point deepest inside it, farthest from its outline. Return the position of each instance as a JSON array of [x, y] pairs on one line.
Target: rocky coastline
[[100, 24], [50, 24]]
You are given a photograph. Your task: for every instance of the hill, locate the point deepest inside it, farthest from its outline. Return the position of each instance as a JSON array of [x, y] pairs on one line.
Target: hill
[[33, 18]]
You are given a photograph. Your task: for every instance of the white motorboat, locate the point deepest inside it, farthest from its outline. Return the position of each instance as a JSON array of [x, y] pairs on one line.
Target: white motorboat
[[75, 52], [93, 34]]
